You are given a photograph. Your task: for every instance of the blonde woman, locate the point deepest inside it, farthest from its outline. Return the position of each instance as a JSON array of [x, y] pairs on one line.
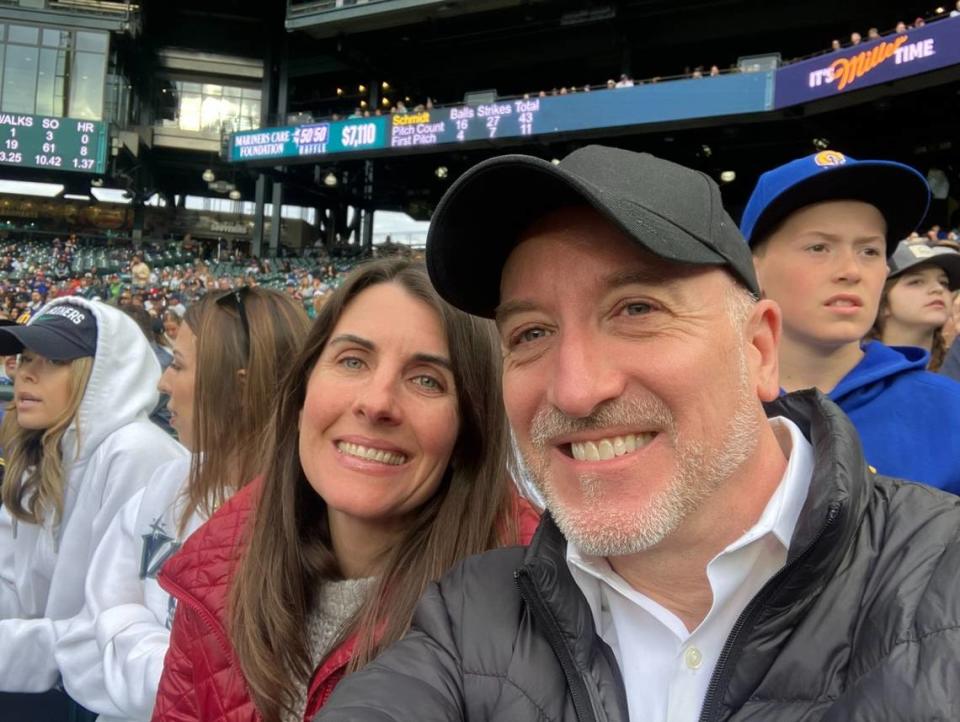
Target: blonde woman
[[78, 445]]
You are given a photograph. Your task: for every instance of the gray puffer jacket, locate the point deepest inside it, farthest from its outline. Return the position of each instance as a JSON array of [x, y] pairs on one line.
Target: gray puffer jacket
[[862, 624]]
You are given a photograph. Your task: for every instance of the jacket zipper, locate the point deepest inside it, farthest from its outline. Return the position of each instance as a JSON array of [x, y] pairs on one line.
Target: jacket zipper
[[720, 678], [578, 688]]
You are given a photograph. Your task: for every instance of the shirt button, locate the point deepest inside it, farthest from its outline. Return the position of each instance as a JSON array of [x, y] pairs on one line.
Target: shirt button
[[693, 657]]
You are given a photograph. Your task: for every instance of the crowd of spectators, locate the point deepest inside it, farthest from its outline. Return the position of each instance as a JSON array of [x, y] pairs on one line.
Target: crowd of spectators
[[900, 28], [162, 281]]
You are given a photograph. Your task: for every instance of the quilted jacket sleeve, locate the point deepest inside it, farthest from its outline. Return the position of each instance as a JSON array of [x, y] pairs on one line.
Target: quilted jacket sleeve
[[178, 698], [417, 678]]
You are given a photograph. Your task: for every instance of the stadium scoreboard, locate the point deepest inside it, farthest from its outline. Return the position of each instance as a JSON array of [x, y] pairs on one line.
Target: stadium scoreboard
[[508, 119], [52, 143], [503, 120]]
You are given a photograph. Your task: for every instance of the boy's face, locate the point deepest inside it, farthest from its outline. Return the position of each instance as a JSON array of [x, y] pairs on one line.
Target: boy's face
[[825, 266]]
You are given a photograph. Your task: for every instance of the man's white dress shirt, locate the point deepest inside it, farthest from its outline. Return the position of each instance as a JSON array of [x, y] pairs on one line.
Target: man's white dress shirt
[[666, 668]]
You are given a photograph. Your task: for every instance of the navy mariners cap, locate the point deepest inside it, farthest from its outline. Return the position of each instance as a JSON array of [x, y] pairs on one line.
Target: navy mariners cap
[[909, 255], [63, 332], [671, 211], [898, 191]]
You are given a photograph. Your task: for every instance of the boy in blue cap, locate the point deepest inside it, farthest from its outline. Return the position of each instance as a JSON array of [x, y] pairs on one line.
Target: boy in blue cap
[[821, 228]]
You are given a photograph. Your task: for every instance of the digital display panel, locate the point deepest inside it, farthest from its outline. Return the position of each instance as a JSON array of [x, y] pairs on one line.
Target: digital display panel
[[39, 141], [504, 120], [314, 139]]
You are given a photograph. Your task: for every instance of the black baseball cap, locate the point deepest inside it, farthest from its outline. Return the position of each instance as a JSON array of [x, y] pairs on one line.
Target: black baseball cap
[[909, 255], [671, 211], [898, 191], [62, 332]]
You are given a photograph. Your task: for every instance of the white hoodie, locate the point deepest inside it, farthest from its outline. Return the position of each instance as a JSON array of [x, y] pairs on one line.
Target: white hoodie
[[111, 658], [42, 568]]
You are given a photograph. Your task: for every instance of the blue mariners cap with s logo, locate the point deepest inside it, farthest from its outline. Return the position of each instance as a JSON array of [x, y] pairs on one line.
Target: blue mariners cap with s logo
[[898, 191]]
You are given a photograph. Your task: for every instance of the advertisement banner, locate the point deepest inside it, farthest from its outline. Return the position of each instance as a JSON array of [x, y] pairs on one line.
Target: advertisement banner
[[891, 57], [312, 139]]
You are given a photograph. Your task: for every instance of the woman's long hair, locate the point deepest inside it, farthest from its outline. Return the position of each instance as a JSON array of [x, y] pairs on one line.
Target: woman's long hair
[[938, 350], [33, 483], [289, 553], [237, 381]]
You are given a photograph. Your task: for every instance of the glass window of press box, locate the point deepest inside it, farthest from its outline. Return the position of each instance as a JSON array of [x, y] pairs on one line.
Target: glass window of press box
[[51, 71], [213, 108]]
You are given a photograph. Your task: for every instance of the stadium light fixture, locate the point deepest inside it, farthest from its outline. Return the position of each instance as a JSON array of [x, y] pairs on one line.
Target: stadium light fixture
[[385, 85], [821, 143], [363, 88], [441, 172], [209, 176], [234, 195], [385, 102], [941, 10], [339, 91], [556, 161], [330, 180], [728, 176]]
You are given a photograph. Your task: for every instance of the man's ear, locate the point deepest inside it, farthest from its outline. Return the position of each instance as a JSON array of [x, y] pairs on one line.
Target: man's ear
[[762, 336]]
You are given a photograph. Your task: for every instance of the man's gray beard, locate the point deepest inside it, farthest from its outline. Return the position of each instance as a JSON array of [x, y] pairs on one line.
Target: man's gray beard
[[602, 527]]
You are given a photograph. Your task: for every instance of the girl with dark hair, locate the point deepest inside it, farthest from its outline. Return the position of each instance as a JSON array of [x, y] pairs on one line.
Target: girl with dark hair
[[916, 300], [230, 355], [387, 466]]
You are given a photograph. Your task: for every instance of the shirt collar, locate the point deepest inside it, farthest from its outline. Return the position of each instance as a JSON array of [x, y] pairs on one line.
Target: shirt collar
[[794, 485]]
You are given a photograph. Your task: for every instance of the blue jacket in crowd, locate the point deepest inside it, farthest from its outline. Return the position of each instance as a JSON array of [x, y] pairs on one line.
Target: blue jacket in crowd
[[907, 417]]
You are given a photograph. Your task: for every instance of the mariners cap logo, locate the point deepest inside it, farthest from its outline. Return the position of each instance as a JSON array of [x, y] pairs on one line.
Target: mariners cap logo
[[922, 251], [829, 159]]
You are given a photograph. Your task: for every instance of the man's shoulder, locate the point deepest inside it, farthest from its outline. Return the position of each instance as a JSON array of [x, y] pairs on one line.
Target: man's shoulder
[[916, 505], [496, 564], [915, 530], [485, 580]]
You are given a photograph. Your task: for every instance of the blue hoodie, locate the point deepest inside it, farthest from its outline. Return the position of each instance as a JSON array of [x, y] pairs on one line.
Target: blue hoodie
[[908, 418]]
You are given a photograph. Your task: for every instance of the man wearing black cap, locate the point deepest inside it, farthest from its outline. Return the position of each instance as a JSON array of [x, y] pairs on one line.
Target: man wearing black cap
[[704, 555], [821, 228]]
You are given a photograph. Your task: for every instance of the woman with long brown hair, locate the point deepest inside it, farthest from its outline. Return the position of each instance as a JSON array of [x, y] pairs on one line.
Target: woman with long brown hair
[[230, 355], [387, 466]]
